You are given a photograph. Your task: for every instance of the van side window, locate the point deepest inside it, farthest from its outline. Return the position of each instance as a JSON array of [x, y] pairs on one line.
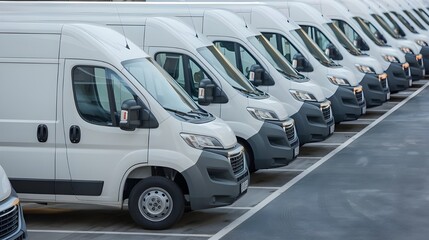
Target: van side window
[[321, 40], [191, 72], [99, 93], [237, 55], [283, 45]]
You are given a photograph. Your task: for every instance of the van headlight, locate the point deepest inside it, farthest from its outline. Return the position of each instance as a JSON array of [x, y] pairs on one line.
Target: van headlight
[[338, 81], [390, 58], [201, 141], [422, 43], [406, 50], [262, 114], [364, 68], [303, 96]]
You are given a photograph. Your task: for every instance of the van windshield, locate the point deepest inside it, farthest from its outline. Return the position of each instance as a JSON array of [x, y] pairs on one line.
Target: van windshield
[[395, 26], [301, 36], [405, 22], [385, 26], [160, 85], [423, 15], [226, 70], [341, 37], [275, 58], [364, 25], [415, 20]]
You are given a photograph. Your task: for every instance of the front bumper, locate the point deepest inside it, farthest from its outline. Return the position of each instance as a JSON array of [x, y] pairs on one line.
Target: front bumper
[[212, 182], [346, 104], [314, 122], [417, 66], [11, 216], [398, 78], [374, 89], [275, 145]]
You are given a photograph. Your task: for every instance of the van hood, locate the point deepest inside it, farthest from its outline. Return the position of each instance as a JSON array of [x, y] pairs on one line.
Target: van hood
[[345, 73], [369, 61], [310, 87], [272, 104], [393, 52], [216, 128], [5, 188], [412, 45]]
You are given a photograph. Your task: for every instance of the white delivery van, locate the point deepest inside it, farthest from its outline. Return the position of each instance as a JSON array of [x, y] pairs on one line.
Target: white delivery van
[[259, 121], [11, 217], [366, 13], [368, 72], [392, 59], [418, 8], [405, 24], [100, 122]]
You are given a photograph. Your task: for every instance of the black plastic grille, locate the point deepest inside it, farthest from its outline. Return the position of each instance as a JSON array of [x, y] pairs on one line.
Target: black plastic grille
[[326, 112], [9, 222], [237, 162], [359, 96], [407, 71], [383, 83], [420, 61], [290, 131]]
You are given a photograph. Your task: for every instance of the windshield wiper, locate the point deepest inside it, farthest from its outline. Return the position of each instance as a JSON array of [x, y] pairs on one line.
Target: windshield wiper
[[245, 91], [180, 113]]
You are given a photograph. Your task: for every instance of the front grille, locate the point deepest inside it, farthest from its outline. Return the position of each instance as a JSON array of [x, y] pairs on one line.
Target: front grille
[[9, 221], [326, 112], [290, 131], [383, 83], [359, 95], [237, 162]]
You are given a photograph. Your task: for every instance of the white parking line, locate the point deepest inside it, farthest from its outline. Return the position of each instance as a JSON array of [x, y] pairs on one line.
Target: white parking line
[[322, 144], [283, 170], [269, 188], [285, 187], [122, 233]]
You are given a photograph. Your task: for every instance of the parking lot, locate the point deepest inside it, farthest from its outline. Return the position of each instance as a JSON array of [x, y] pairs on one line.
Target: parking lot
[[89, 222]]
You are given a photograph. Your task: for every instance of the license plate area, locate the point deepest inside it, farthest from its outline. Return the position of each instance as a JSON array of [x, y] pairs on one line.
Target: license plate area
[[364, 110], [244, 185], [332, 129], [296, 151]]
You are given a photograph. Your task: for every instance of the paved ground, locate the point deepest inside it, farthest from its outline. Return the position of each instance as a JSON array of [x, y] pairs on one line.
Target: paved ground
[[373, 188]]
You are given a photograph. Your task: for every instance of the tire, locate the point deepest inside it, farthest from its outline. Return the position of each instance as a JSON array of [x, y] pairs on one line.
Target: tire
[[156, 203]]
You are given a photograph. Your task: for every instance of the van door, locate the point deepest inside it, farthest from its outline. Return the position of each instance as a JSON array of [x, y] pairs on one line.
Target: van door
[[98, 151], [28, 122]]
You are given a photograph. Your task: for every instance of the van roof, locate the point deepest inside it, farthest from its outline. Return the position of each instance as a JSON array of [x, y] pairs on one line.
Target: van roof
[[81, 41]]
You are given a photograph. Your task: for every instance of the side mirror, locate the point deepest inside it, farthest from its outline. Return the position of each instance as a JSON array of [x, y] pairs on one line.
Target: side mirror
[[361, 44], [332, 52], [301, 64], [130, 115], [205, 92], [259, 76], [255, 74], [380, 36]]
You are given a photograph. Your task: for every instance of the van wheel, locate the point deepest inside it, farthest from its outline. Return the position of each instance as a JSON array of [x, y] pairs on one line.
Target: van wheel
[[156, 203]]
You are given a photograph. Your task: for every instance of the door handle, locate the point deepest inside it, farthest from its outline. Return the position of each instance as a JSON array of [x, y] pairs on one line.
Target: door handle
[[74, 134], [42, 133]]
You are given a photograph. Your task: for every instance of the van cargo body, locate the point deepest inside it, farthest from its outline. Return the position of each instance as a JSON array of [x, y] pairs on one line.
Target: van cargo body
[[99, 129]]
